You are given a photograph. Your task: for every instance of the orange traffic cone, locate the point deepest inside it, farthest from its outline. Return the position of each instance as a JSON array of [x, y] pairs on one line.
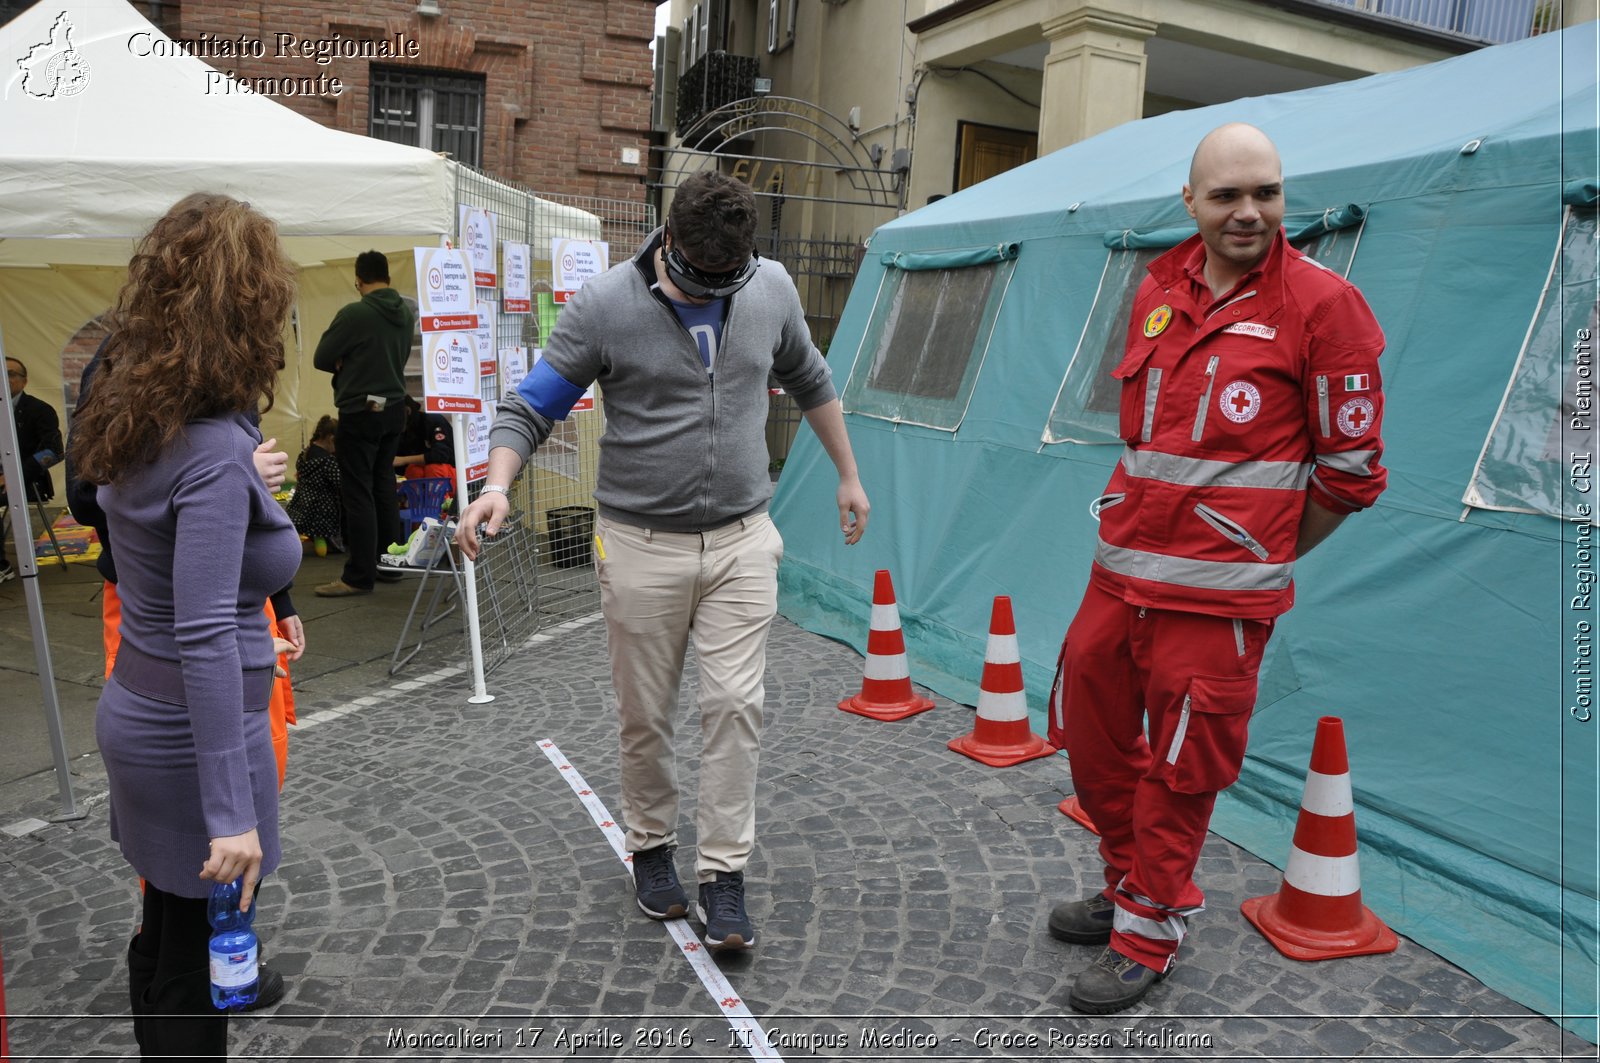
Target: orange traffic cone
[[1317, 913], [886, 692], [1001, 736], [1073, 810]]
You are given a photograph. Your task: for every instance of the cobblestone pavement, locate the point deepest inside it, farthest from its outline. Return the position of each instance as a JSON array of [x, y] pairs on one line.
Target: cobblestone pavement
[[445, 893]]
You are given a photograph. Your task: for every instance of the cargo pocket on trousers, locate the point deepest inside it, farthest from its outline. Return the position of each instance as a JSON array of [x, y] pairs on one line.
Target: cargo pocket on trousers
[[1208, 744]]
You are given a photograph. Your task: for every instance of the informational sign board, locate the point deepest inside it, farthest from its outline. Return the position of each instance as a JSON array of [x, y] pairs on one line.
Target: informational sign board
[[445, 299], [483, 337], [516, 295], [477, 240], [449, 373], [575, 261], [585, 403], [477, 427], [513, 367]]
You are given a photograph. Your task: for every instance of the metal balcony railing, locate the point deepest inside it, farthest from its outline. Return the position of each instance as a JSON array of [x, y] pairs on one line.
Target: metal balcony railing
[[1479, 21], [715, 79]]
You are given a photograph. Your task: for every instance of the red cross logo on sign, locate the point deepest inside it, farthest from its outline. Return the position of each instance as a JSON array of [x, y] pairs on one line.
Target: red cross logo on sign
[[1240, 401], [1355, 416]]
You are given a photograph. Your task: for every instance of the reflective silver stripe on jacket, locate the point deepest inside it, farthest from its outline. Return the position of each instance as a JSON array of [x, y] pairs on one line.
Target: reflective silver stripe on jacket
[[1205, 472], [1187, 572], [1151, 391], [1354, 462]]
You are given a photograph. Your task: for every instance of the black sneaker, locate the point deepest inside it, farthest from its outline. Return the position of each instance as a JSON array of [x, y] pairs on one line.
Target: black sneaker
[[1085, 922], [656, 885], [269, 989], [1112, 983], [721, 911]]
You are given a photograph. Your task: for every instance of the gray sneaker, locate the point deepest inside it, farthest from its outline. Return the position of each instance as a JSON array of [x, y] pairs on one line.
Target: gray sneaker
[[656, 885], [1112, 983], [721, 911], [1085, 922]]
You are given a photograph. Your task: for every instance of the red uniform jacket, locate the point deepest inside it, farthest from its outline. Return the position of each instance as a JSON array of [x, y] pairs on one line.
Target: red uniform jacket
[[1235, 411]]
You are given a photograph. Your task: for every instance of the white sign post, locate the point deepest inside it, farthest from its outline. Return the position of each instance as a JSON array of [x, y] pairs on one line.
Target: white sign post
[[447, 313]]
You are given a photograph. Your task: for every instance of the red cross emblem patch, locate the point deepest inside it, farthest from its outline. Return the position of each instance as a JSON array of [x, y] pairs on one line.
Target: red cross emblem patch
[[1355, 416], [1240, 402]]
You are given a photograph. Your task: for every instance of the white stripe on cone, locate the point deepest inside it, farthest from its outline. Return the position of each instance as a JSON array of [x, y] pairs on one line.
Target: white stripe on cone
[[887, 666], [885, 617], [1328, 795], [1325, 876], [1003, 650], [1003, 707]]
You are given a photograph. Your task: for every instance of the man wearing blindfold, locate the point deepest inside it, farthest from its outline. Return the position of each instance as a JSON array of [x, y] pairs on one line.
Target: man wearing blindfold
[[681, 340]]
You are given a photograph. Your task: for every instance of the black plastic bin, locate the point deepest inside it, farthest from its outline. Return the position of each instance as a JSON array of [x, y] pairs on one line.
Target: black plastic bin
[[571, 535]]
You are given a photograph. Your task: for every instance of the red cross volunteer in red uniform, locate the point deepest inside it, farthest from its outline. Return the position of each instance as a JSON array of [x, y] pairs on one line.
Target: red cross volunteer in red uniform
[[1251, 408]]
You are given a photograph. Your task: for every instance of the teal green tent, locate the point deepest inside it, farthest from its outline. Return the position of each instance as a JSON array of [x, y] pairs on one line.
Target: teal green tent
[[1450, 626]]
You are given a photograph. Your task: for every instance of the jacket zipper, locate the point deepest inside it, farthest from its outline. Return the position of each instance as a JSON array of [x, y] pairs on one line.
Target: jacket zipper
[[1322, 404], [1242, 295], [1231, 530], [1205, 400], [711, 464], [1105, 502]]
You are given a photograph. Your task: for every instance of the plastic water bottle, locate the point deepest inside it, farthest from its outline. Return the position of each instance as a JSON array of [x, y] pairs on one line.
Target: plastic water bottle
[[235, 968]]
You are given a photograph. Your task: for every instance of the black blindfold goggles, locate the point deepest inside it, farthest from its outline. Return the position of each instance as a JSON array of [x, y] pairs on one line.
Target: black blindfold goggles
[[700, 284]]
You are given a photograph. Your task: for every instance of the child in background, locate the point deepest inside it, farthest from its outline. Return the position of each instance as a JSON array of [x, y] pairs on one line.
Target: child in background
[[315, 508]]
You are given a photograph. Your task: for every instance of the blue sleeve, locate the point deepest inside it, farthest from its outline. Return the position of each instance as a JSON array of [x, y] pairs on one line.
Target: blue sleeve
[[549, 393]]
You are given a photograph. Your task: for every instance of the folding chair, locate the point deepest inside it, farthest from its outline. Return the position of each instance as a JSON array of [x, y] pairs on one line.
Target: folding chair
[[44, 519]]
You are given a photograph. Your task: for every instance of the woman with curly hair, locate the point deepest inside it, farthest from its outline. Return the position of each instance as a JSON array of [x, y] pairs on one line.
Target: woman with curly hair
[[169, 432]]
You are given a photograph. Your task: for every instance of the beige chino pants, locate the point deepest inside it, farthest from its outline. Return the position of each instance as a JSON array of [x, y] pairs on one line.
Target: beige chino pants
[[657, 589]]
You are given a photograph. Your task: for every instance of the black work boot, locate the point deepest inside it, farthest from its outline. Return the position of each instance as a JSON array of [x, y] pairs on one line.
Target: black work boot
[[1112, 983], [1085, 922]]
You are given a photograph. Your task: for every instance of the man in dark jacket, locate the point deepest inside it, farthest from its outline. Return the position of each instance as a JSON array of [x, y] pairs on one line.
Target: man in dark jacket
[[38, 446], [365, 348]]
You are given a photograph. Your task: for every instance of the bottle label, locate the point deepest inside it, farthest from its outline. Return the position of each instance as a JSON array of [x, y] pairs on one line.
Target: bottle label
[[231, 970]]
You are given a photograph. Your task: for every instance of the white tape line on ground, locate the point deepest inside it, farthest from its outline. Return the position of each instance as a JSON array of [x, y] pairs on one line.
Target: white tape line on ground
[[747, 1030]]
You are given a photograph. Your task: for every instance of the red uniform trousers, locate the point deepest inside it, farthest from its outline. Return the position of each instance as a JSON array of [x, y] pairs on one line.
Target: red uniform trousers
[[1194, 675]]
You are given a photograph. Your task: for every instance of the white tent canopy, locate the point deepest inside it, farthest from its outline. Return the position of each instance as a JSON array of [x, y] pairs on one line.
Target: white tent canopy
[[106, 124]]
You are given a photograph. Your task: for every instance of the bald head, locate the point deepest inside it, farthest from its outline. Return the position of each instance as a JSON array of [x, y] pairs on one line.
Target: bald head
[[1235, 195], [1229, 145]]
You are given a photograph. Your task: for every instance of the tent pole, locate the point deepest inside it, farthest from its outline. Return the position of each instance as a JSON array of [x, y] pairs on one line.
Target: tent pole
[[28, 570]]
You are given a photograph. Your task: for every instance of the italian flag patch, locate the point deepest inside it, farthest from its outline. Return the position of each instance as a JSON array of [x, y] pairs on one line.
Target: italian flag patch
[[1357, 382]]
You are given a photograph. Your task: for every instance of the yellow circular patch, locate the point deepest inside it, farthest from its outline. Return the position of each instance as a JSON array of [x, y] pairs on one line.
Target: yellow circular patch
[[1158, 320]]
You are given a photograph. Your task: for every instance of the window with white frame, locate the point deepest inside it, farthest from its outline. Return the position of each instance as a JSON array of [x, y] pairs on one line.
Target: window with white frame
[[1525, 465], [928, 335]]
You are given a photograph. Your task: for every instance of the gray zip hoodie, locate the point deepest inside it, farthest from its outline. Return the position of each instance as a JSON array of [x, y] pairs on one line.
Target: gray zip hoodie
[[683, 450]]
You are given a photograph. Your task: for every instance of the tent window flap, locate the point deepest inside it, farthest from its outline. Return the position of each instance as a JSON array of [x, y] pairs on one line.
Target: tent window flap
[[1526, 465], [923, 348], [1085, 409]]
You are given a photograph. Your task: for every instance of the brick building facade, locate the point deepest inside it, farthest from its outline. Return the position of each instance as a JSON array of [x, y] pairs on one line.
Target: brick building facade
[[561, 88]]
